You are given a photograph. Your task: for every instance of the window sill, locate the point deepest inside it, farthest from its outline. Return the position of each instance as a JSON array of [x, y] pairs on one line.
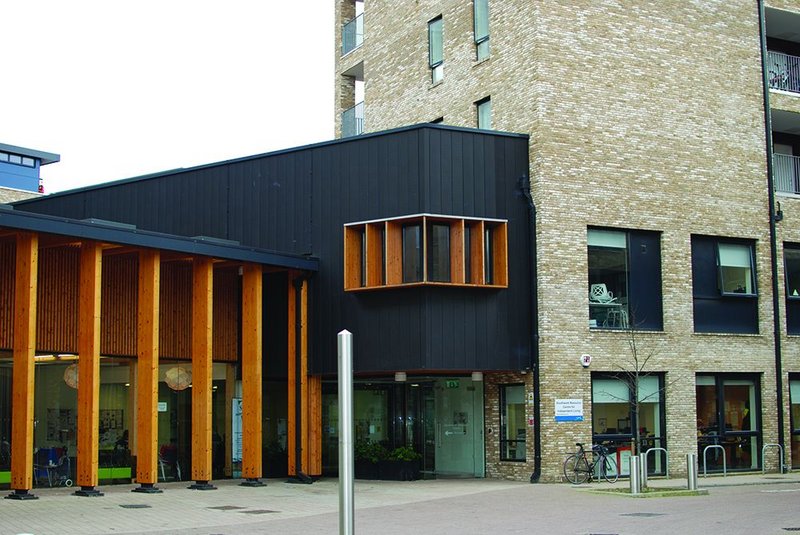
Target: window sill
[[437, 84], [487, 59], [746, 335]]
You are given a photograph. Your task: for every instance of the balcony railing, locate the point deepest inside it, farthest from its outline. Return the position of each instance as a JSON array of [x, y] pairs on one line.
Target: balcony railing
[[353, 120], [353, 34], [786, 170], [783, 71]]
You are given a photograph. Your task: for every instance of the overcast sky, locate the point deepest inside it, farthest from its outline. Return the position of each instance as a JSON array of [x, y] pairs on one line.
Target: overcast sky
[[122, 88]]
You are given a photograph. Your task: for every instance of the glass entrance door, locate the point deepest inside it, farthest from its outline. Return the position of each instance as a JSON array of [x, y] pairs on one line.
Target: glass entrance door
[[458, 428]]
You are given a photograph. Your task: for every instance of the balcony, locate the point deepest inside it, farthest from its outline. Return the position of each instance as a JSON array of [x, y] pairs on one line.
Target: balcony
[[353, 34], [786, 170], [783, 72], [353, 120]]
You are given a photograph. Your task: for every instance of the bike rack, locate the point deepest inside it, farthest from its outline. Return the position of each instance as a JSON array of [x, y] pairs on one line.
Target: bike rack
[[666, 453], [724, 461], [764, 465]]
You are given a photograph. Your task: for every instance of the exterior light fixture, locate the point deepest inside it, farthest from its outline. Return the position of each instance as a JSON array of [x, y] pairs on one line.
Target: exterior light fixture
[[477, 377], [400, 377]]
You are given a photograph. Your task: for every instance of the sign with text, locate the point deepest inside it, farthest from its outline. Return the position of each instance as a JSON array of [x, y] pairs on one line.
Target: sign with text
[[569, 410]]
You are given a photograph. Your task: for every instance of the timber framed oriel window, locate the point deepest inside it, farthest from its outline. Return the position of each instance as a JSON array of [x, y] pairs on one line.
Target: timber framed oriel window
[[426, 249]]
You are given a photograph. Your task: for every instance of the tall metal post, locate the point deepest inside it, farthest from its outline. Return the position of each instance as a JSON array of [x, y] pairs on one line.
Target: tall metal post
[[346, 506], [635, 475], [691, 471]]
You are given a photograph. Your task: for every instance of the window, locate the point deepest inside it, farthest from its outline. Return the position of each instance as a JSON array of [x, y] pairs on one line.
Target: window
[[614, 419], [17, 159], [724, 290], [624, 279], [728, 409], [794, 399], [439, 252], [412, 253], [481, 16], [791, 264], [426, 249], [484, 109], [512, 422], [436, 49]]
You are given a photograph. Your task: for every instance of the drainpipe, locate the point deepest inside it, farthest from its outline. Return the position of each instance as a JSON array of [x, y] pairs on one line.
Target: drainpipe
[[300, 476], [525, 186], [774, 217]]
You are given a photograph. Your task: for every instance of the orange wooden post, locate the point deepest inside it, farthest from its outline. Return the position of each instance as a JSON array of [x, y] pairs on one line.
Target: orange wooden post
[[147, 372], [304, 374], [314, 417], [202, 302], [88, 366], [24, 345], [298, 378], [252, 295]]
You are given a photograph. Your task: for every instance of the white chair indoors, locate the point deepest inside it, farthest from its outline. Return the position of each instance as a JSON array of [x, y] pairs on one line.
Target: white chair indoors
[[599, 293]]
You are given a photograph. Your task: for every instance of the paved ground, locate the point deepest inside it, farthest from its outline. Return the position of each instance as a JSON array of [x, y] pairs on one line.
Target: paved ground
[[735, 504]]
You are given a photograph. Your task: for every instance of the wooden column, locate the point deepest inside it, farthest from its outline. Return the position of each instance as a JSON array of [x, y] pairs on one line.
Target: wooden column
[[298, 376], [252, 296], [202, 303], [88, 366], [24, 345], [147, 371], [314, 426]]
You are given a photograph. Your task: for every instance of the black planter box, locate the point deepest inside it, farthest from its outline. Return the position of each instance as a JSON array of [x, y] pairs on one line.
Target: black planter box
[[399, 470]]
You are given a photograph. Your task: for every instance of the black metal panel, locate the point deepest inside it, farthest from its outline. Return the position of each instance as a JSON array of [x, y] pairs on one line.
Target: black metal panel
[[297, 202]]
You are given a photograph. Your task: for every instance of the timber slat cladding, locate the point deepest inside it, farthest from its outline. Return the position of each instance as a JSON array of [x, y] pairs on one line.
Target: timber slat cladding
[[7, 259], [57, 300], [119, 291], [226, 315], [176, 307]]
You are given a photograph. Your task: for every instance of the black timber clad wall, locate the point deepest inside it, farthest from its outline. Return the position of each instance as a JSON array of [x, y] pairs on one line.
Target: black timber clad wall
[[298, 201]]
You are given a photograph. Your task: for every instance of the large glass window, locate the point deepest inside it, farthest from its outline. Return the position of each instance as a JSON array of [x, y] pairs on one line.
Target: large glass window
[[728, 423], [615, 420], [412, 253], [438, 253], [791, 263], [794, 399], [436, 49], [624, 270], [512, 422], [481, 16], [6, 368], [724, 290]]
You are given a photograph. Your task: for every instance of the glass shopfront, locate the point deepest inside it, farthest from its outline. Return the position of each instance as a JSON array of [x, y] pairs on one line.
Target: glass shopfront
[[794, 393], [441, 419], [5, 419], [728, 422]]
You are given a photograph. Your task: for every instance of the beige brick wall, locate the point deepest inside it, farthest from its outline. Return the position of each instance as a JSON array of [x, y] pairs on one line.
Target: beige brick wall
[[645, 115], [8, 195]]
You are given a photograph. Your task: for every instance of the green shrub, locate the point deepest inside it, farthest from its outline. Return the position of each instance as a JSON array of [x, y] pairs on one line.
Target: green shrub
[[404, 453]]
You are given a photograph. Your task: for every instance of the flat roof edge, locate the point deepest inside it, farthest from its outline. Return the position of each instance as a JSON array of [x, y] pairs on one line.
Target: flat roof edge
[[45, 157]]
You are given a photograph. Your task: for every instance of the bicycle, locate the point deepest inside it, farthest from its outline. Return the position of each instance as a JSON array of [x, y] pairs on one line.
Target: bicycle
[[578, 468]]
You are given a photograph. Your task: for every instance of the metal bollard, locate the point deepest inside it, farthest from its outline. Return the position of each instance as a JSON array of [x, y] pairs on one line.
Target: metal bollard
[[643, 469], [691, 471], [635, 471]]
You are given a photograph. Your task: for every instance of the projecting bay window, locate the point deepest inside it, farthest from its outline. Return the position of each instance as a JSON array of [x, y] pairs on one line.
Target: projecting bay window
[[481, 16], [426, 249], [436, 49]]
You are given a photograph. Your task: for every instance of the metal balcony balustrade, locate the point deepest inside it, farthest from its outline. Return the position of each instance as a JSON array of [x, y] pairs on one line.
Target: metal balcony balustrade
[[786, 169], [783, 71], [353, 34], [353, 120]]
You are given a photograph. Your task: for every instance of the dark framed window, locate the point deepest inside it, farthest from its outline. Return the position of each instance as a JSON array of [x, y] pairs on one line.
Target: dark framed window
[[614, 418], [728, 420], [438, 254], [624, 268], [512, 422], [724, 293], [483, 109], [488, 255], [436, 49], [791, 269], [481, 29], [412, 253]]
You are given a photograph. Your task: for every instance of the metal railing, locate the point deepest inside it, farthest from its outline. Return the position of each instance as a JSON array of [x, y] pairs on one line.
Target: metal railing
[[783, 71], [724, 460], [764, 460], [786, 171], [655, 449], [353, 34], [353, 120]]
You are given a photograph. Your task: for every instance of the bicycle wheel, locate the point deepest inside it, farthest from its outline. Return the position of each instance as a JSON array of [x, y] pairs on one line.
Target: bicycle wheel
[[576, 469], [609, 469]]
